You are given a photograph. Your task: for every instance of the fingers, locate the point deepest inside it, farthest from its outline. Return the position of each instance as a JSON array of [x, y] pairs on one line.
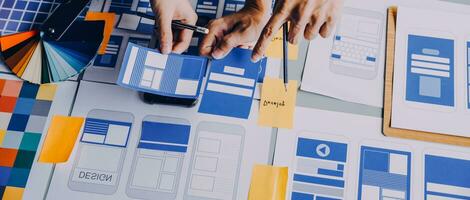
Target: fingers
[[184, 38], [268, 33], [313, 27], [165, 33], [209, 41], [327, 27], [227, 44]]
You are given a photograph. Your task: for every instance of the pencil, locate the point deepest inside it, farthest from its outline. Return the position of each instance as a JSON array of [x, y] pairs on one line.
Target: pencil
[[285, 57], [178, 24]]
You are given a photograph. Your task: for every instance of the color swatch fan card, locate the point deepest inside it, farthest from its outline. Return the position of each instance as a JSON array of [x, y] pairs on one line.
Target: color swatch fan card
[[57, 50], [147, 70], [231, 85]]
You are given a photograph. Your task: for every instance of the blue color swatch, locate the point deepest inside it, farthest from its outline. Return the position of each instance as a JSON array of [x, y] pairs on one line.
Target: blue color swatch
[[164, 137], [231, 85], [446, 178], [430, 70], [319, 170], [384, 173], [110, 57], [173, 75]]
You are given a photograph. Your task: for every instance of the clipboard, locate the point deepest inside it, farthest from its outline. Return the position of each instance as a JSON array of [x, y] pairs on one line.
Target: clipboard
[[388, 92]]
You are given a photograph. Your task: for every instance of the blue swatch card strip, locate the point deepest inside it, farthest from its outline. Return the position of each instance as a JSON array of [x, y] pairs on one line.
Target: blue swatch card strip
[[231, 85], [146, 70]]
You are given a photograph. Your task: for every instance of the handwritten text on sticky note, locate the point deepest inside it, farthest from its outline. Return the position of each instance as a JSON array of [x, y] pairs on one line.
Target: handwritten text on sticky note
[[274, 49], [277, 105]]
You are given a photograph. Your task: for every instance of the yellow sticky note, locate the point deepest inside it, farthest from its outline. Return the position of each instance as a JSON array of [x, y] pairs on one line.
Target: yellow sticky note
[[268, 183], [60, 139], [46, 92], [274, 49], [108, 19], [277, 105], [13, 193]]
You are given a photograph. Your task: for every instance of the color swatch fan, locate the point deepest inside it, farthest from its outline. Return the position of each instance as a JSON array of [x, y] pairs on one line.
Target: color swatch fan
[[62, 47]]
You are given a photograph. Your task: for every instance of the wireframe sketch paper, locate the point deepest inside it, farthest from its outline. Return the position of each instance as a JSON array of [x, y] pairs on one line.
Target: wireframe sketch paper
[[171, 152], [349, 64], [355, 161], [430, 88]]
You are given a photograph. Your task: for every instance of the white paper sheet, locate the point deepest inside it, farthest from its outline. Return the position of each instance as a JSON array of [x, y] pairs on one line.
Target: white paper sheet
[[358, 132], [431, 87], [348, 65], [255, 146]]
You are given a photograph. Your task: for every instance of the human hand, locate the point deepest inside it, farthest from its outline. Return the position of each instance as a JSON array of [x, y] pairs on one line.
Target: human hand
[[240, 29], [307, 17], [166, 11]]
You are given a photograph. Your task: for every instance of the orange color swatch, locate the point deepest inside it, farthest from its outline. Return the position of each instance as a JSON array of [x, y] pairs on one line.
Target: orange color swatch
[[7, 157], [12, 40], [108, 19]]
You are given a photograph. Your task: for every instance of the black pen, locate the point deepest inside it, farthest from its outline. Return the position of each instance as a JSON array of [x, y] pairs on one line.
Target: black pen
[[285, 58], [178, 24]]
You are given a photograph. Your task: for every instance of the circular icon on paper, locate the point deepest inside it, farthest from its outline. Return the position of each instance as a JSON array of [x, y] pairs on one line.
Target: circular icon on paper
[[323, 150]]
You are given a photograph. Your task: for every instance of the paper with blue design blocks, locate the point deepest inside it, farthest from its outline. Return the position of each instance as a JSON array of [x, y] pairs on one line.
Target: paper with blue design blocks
[[431, 72], [230, 85], [147, 70]]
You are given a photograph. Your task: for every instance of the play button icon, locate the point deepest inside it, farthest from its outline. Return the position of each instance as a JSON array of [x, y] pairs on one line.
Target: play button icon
[[323, 150]]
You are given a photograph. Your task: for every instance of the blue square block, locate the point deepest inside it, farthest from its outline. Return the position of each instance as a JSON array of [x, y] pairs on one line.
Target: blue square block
[[24, 106], [4, 14], [20, 5], [18, 122], [4, 175], [29, 90], [29, 16], [377, 161], [8, 3], [33, 6], [18, 177], [12, 26]]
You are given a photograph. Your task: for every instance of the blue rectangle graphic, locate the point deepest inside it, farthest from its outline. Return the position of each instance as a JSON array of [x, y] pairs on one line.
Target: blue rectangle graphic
[[430, 70], [321, 149], [446, 177], [231, 85]]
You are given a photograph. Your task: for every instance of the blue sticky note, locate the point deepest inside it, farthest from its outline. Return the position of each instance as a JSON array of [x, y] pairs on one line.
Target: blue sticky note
[[146, 70], [230, 85]]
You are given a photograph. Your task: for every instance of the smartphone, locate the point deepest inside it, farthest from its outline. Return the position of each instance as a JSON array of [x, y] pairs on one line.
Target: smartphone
[[101, 152], [357, 44], [159, 157], [215, 161]]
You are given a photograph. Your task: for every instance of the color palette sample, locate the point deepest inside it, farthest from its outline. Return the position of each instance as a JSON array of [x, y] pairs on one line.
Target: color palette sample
[[24, 108], [39, 59]]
